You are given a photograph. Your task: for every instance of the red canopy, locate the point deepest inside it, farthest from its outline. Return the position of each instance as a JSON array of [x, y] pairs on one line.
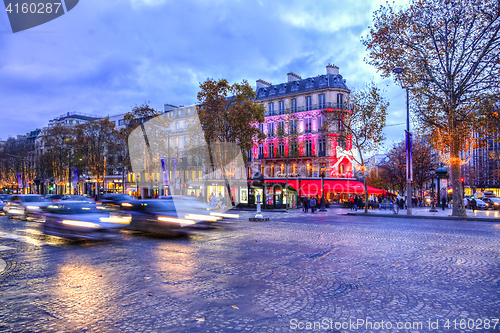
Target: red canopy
[[313, 186]]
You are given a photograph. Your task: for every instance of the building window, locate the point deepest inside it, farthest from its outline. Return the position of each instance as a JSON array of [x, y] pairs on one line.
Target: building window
[[262, 169], [271, 171], [121, 122], [322, 147], [308, 170], [281, 149], [271, 150], [176, 126], [293, 126], [177, 142], [261, 151], [340, 101], [294, 170], [261, 128], [321, 101], [307, 125], [270, 129], [282, 170], [308, 148], [78, 122], [308, 103], [321, 123], [281, 127], [293, 105], [185, 142], [293, 148], [271, 109], [71, 122], [281, 105]]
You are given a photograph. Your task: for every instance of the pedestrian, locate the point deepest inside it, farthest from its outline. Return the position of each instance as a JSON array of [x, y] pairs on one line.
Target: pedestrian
[[473, 205], [313, 204], [443, 201], [307, 204], [355, 203]]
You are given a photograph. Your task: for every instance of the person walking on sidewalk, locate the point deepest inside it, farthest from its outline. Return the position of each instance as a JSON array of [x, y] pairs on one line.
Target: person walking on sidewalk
[[313, 204], [473, 205], [443, 201]]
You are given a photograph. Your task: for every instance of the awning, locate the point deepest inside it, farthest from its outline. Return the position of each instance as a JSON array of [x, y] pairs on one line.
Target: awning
[[313, 186]]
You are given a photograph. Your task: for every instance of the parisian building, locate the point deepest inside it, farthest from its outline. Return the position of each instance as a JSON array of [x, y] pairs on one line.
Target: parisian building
[[303, 135]]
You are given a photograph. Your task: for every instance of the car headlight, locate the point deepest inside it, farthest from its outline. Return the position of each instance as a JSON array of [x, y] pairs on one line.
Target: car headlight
[[81, 224], [182, 222], [116, 219]]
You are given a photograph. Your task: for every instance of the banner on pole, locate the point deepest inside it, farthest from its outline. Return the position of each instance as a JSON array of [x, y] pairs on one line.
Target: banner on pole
[[75, 177], [174, 163], [19, 181], [164, 170]]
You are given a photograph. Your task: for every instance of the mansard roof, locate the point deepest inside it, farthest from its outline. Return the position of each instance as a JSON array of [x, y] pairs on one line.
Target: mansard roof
[[302, 86]]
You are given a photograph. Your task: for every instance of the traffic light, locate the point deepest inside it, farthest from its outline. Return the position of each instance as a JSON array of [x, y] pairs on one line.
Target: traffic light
[[462, 180]]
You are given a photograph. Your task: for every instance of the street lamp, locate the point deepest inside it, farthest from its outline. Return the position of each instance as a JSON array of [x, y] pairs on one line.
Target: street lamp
[[322, 209], [409, 166], [433, 207]]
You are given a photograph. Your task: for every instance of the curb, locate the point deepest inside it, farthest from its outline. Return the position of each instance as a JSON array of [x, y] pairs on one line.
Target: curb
[[425, 217]]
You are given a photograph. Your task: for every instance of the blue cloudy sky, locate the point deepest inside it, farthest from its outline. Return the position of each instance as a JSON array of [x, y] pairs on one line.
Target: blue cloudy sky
[[103, 57]]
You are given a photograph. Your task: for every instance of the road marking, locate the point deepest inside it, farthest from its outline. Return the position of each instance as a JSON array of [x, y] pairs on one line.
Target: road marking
[[3, 264], [24, 239], [6, 248]]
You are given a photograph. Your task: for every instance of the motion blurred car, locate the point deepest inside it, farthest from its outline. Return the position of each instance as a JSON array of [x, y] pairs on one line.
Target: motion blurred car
[[5, 197], [492, 203], [156, 216], [79, 219], [114, 199], [53, 197], [77, 198], [22, 205]]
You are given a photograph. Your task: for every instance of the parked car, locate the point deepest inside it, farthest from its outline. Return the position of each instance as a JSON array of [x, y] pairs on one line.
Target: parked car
[[22, 205], [114, 199], [492, 203], [79, 219], [156, 216], [480, 205]]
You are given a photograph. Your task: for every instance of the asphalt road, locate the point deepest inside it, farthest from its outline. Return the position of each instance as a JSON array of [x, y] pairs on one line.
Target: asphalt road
[[327, 273]]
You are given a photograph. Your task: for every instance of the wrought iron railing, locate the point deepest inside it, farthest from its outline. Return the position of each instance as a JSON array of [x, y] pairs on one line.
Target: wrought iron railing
[[322, 106]]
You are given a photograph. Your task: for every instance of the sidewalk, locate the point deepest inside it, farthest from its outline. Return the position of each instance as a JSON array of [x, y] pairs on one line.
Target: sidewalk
[[425, 213], [417, 213]]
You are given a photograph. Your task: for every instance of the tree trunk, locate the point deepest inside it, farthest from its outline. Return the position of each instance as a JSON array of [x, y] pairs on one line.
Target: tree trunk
[[366, 195], [458, 200]]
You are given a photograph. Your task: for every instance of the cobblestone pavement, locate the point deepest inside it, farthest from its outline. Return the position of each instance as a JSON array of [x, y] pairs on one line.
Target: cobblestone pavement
[[326, 272]]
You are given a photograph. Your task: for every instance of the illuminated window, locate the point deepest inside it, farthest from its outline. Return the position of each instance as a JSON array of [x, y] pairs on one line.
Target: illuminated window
[[262, 169], [307, 125], [282, 170], [271, 171], [294, 169], [308, 170]]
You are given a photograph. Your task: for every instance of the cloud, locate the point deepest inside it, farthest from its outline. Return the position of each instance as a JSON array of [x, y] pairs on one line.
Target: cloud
[[105, 57]]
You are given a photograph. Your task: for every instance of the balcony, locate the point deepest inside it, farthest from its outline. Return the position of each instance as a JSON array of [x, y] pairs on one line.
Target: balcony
[[322, 106], [260, 157]]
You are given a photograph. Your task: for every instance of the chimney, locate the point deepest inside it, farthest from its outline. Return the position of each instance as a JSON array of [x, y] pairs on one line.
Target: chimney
[[332, 69], [262, 84], [293, 77]]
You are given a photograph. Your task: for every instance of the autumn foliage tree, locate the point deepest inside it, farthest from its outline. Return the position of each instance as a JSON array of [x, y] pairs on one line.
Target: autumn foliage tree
[[364, 125], [451, 54], [227, 114]]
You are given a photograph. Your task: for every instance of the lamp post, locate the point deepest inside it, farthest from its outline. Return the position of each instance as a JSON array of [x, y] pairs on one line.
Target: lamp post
[[433, 207], [322, 209], [409, 166]]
